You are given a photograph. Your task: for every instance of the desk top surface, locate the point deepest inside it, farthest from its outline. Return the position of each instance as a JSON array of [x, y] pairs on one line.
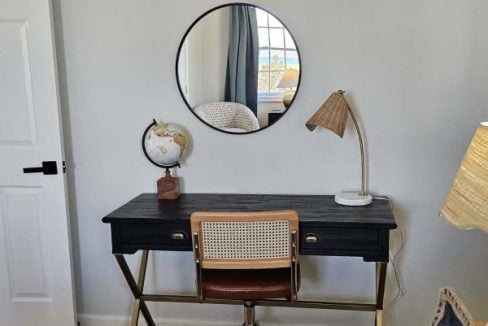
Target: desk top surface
[[146, 208]]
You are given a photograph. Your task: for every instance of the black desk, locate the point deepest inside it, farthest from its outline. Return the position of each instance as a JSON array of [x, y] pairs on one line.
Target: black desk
[[326, 228]]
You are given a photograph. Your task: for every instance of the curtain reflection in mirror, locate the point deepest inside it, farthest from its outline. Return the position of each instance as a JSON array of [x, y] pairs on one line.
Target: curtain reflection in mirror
[[241, 82]]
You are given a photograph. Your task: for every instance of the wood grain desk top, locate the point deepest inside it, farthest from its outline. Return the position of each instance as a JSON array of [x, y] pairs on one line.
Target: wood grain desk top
[[146, 223], [146, 208]]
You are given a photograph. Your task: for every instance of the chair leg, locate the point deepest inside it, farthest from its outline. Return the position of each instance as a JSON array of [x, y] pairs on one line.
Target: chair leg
[[249, 314]]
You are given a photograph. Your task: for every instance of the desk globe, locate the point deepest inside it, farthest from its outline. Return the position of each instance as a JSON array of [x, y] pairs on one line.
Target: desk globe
[[164, 145]]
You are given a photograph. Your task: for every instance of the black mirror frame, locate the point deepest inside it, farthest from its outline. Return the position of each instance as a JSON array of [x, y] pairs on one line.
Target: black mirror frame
[[178, 59]]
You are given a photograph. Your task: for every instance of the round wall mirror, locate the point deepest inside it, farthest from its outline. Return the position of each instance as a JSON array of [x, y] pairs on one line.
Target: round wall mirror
[[238, 68]]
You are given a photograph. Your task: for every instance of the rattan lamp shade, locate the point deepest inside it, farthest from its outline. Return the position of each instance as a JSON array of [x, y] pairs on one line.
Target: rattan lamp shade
[[331, 115], [466, 204]]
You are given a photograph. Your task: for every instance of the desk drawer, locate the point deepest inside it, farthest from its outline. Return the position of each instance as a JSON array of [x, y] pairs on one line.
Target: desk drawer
[[334, 241], [370, 243], [133, 236]]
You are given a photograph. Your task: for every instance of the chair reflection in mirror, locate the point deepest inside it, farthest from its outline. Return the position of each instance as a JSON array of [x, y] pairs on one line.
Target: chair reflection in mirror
[[246, 256], [228, 116]]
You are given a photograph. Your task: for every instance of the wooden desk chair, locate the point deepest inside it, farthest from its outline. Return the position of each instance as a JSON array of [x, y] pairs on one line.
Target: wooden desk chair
[[246, 256]]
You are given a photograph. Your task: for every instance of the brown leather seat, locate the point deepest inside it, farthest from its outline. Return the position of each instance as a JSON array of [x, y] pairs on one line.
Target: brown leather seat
[[246, 284]]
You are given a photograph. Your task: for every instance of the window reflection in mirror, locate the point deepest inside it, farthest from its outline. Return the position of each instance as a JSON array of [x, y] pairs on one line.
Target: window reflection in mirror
[[238, 68]]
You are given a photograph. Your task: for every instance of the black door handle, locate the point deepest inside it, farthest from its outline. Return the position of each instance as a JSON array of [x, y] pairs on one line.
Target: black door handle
[[48, 167]]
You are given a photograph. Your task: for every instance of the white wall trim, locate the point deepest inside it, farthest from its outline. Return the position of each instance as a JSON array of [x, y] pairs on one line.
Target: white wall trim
[[270, 97], [110, 320], [107, 320]]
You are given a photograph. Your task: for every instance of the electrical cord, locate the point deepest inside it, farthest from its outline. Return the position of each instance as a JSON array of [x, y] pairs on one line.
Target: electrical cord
[[400, 290]]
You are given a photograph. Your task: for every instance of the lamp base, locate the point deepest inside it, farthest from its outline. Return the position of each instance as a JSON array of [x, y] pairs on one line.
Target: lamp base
[[352, 198], [288, 98]]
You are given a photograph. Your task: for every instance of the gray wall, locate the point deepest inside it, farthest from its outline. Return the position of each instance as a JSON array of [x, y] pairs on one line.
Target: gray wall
[[416, 71]]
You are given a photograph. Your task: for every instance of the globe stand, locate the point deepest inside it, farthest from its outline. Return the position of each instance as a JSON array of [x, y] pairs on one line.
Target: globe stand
[[169, 186]]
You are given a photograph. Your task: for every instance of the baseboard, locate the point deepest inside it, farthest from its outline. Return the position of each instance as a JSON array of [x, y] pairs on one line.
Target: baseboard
[[103, 320]]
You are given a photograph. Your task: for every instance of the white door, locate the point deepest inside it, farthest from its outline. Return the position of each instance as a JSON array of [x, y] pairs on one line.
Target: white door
[[35, 267]]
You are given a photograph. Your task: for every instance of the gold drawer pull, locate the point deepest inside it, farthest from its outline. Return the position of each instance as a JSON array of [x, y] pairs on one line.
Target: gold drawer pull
[[178, 235], [311, 238]]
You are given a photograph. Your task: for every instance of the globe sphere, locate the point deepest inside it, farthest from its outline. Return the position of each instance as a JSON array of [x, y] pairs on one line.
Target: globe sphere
[[165, 144]]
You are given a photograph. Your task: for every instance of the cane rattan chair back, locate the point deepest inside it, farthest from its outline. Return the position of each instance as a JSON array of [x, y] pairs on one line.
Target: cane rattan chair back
[[245, 240], [246, 256]]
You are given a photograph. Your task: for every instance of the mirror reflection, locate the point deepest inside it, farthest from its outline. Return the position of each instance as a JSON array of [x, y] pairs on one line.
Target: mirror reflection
[[238, 68]]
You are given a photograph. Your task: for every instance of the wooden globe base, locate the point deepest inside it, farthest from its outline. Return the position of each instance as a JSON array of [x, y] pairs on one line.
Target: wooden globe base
[[169, 187]]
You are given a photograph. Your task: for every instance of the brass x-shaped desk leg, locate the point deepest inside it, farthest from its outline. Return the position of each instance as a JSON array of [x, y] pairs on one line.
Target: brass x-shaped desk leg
[[139, 305], [380, 291]]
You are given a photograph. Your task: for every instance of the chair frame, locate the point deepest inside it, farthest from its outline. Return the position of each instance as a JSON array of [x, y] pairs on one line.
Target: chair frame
[[292, 261]]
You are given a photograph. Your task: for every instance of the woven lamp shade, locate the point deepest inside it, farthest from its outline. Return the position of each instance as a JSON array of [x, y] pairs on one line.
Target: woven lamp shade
[[466, 204], [331, 115]]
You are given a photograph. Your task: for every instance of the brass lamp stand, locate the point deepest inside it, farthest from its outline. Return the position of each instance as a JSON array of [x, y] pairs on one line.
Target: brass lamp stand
[[333, 115]]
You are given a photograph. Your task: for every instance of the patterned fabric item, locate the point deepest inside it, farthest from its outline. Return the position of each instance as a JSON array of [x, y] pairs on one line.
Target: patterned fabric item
[[451, 311], [228, 115]]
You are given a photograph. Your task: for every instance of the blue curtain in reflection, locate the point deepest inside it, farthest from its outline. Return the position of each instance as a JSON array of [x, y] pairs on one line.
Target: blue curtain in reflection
[[241, 81]]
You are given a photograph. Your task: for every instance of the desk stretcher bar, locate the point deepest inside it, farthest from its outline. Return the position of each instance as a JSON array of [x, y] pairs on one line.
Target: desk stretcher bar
[[141, 298]]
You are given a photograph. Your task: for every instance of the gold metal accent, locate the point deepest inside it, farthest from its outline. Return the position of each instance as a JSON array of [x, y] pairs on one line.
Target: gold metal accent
[[249, 314], [381, 269], [141, 298], [361, 149], [294, 266], [379, 317], [268, 302], [135, 288], [198, 267], [142, 270], [178, 235], [332, 115], [311, 238], [136, 306]]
